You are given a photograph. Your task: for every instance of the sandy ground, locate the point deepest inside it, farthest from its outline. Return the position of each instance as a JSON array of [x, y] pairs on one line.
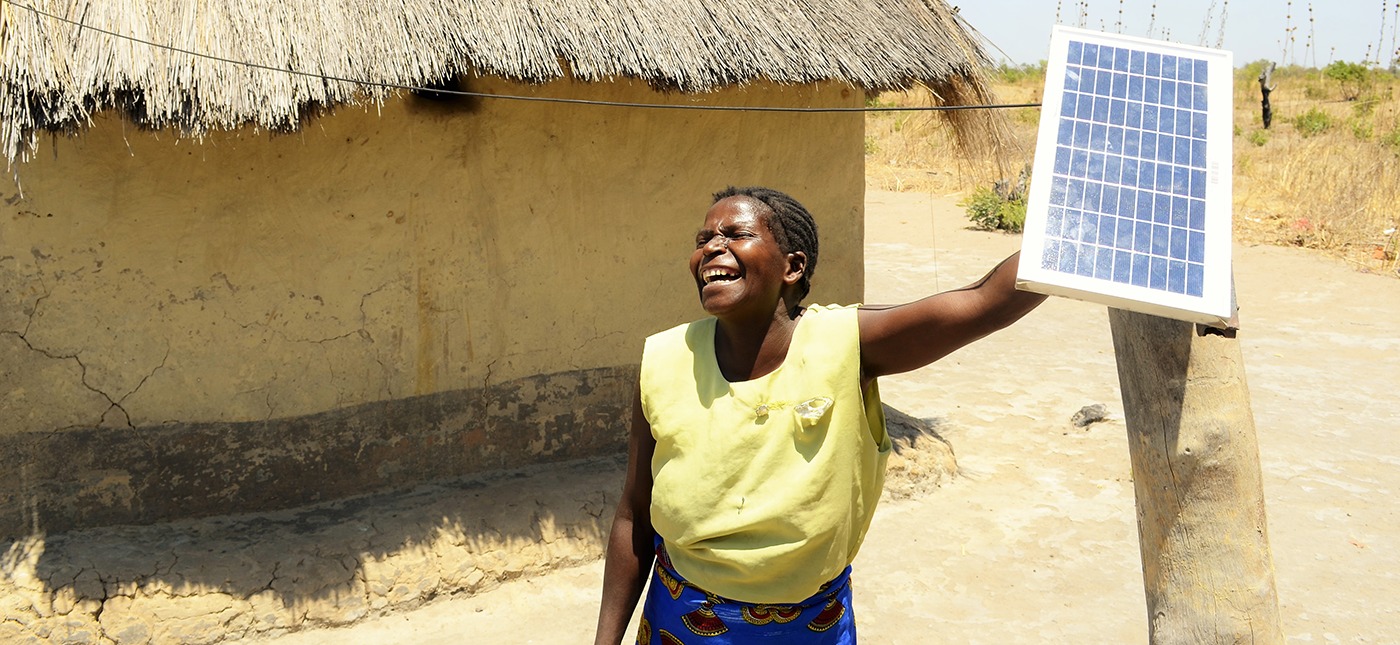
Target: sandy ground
[[1036, 540]]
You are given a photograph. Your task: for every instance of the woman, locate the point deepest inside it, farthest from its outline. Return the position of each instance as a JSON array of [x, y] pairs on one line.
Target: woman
[[758, 445]]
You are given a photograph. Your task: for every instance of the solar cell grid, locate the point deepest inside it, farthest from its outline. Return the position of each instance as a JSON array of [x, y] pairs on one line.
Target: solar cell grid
[[1127, 200]]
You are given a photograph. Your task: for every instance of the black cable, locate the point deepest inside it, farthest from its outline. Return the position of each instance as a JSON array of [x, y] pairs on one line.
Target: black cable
[[512, 97]]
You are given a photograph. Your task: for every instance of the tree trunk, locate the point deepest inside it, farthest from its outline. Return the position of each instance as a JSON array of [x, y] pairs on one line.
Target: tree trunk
[[1206, 564]]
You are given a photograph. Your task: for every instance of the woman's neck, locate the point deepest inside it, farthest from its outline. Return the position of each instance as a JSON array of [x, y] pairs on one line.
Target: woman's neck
[[747, 350]]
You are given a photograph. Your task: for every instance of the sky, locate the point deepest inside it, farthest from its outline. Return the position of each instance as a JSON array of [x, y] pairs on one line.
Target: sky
[[1253, 29]]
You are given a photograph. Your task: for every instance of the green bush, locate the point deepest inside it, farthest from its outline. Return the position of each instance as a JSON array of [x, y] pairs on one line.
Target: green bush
[[1312, 122], [989, 210], [1258, 137], [1353, 77], [1362, 130]]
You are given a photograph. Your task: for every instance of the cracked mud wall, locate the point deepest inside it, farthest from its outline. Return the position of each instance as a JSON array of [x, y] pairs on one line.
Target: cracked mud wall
[[390, 296]]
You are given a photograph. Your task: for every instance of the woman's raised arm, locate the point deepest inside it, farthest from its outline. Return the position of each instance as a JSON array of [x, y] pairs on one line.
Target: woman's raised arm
[[909, 336]]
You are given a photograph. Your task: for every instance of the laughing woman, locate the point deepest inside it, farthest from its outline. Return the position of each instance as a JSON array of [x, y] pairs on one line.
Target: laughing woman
[[758, 445]]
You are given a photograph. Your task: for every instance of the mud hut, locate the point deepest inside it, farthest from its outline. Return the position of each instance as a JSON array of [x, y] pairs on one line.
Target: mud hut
[[242, 267]]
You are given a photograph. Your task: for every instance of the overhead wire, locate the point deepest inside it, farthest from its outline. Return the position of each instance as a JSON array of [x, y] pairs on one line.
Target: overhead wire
[[515, 97]]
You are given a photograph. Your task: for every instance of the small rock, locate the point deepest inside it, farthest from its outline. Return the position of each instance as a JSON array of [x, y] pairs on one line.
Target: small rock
[[1088, 415]]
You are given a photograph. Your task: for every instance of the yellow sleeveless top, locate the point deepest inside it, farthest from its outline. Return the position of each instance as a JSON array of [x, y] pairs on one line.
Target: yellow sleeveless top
[[764, 489]]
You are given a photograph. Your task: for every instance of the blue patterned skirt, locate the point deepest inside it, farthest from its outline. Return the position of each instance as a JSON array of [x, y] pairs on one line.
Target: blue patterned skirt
[[679, 613]]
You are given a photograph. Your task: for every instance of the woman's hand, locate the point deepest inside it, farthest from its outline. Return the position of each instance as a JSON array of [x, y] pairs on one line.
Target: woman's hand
[[909, 336]]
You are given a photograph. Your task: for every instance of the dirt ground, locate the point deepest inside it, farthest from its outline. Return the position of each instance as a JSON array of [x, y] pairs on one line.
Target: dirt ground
[[1036, 541]]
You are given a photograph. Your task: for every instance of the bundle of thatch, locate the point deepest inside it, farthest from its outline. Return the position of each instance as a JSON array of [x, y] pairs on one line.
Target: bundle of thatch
[[61, 60]]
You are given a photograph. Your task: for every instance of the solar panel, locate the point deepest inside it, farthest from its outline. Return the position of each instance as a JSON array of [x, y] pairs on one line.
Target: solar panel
[[1129, 203]]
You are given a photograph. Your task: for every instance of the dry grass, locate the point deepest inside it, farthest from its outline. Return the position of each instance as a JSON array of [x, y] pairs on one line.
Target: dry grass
[[1336, 190]]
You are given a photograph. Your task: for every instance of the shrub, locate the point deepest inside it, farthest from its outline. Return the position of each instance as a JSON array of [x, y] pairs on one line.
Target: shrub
[[1258, 137], [1352, 77], [1362, 130], [1312, 122], [991, 211]]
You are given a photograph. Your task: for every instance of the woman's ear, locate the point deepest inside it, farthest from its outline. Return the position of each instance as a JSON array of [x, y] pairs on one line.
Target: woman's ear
[[797, 266]]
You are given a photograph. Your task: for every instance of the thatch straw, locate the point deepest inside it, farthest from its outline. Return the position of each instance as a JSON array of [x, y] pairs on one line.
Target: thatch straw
[[54, 74]]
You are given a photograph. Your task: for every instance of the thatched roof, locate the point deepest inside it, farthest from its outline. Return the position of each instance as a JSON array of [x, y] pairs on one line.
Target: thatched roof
[[55, 73]]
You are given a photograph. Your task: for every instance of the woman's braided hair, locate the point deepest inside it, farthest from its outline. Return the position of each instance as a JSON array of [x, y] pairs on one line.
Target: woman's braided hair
[[791, 224]]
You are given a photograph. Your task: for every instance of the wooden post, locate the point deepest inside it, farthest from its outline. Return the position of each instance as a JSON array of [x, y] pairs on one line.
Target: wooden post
[[1206, 564], [1266, 85]]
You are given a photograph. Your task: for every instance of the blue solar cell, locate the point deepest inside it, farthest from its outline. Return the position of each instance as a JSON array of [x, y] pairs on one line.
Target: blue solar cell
[[1198, 126], [1081, 134], [1085, 109], [1149, 118], [1142, 236], [1154, 65], [1158, 279], [1120, 86], [1135, 85], [1152, 91], [1176, 277], [1067, 258], [1054, 220], [1144, 206], [1113, 165], [1058, 187], [1098, 137], [1147, 174], [1124, 235], [1088, 227], [1138, 62], [1068, 103], [1166, 120], [1183, 125], [1184, 67], [1122, 267], [1100, 110], [1185, 96], [1168, 66], [1167, 94], [1085, 267], [1086, 81], [1095, 169], [1091, 54], [1133, 118], [1108, 198], [1161, 208], [1106, 56], [1076, 52], [1142, 270], [1050, 255], [1181, 181], [1132, 144], [1108, 230], [1066, 136], [1072, 75], [1178, 243], [1197, 219], [1182, 151], [1164, 176], [1130, 168], [1198, 98], [1078, 162], [1076, 189], [1200, 75], [1073, 223], [1117, 109], [1161, 239], [1198, 153], [1198, 184], [1148, 150], [1093, 192], [1195, 246], [1180, 211], [1195, 280], [1104, 86], [1103, 264], [1120, 60], [1061, 160], [1127, 197]]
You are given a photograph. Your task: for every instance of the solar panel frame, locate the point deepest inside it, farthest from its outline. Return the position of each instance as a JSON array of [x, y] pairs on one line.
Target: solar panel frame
[[1130, 198]]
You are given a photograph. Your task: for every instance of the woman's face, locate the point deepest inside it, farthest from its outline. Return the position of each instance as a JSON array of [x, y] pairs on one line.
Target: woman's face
[[737, 264]]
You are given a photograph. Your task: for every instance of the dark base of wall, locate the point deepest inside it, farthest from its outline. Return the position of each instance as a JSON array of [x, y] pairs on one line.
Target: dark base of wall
[[74, 479]]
